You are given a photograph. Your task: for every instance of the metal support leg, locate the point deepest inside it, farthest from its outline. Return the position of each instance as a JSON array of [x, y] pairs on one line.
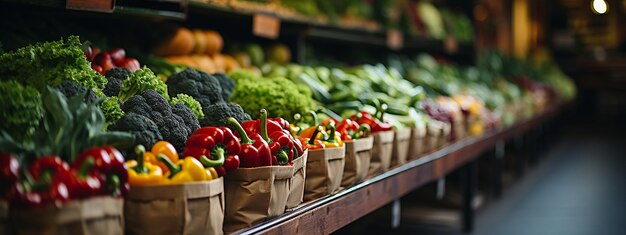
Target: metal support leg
[[499, 168], [395, 214], [469, 190]]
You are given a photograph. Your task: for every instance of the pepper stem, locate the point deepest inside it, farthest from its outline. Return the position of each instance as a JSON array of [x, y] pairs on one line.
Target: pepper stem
[[140, 150], [244, 137], [282, 157], [314, 136], [383, 109], [264, 126], [314, 115], [365, 128], [331, 136], [217, 155], [113, 184], [86, 167], [174, 169]]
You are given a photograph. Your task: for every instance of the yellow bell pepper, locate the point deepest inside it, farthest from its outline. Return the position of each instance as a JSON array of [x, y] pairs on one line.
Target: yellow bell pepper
[[211, 173], [161, 147], [141, 173], [184, 171]]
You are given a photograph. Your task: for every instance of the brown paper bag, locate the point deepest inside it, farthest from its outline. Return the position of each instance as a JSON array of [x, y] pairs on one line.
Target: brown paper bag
[[401, 142], [381, 152], [433, 134], [417, 148], [296, 187], [324, 172], [192, 208], [444, 138], [255, 194], [358, 157], [97, 215]]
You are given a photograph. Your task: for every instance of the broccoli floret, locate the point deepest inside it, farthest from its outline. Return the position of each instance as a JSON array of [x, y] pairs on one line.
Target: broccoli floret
[[152, 105], [188, 117], [141, 80], [203, 87], [111, 109], [71, 89], [227, 85], [146, 132], [118, 73], [217, 114], [191, 103], [22, 109], [115, 78]]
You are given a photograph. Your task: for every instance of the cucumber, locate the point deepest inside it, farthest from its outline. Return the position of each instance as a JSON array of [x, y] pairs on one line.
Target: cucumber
[[339, 107], [319, 92], [397, 109]]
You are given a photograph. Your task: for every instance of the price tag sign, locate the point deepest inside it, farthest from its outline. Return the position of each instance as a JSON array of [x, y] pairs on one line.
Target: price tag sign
[[451, 45], [266, 26], [395, 39], [91, 5]]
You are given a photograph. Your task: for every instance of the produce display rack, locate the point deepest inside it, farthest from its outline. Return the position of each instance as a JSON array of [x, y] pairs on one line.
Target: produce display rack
[[306, 31], [332, 212], [296, 32]]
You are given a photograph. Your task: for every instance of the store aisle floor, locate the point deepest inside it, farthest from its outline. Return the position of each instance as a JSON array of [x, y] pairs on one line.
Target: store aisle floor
[[579, 189]]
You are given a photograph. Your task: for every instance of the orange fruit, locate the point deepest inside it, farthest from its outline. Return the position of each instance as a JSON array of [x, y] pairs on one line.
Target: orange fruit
[[214, 42]]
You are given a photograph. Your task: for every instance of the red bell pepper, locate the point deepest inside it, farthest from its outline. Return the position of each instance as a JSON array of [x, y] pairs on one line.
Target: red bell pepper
[[219, 146], [110, 169], [281, 122], [254, 126], [375, 124], [50, 175], [254, 150], [9, 172], [84, 183], [280, 143], [350, 129], [49, 163]]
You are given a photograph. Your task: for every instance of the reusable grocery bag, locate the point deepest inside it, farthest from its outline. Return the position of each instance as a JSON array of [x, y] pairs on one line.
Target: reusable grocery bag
[[401, 141], [324, 172], [255, 194], [191, 208], [97, 215], [417, 146], [358, 157], [296, 187], [381, 152]]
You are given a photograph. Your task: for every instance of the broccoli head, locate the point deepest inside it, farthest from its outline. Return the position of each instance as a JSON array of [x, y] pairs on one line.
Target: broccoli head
[[191, 103], [152, 105], [188, 117], [22, 109], [217, 114], [115, 77], [227, 85], [118, 73], [71, 89], [203, 87], [141, 80], [145, 130]]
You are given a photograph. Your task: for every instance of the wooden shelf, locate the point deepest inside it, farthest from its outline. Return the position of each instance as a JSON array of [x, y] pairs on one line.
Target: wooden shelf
[[310, 29], [332, 212]]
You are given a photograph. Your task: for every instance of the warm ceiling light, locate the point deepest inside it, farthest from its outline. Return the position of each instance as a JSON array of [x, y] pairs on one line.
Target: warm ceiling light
[[599, 6]]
